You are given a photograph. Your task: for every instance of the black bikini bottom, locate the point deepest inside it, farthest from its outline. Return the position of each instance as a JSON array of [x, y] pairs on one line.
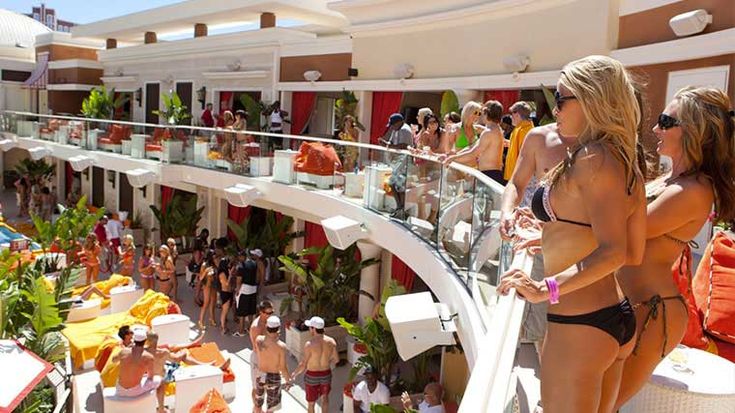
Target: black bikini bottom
[[653, 305], [617, 320]]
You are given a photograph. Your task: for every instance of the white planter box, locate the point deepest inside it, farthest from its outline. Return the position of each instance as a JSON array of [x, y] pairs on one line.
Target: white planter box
[[137, 148], [374, 178], [25, 128], [193, 382], [127, 147], [122, 298], [35, 130], [92, 138], [173, 151], [171, 328], [296, 340], [354, 183], [283, 163], [320, 181], [62, 135], [261, 165], [201, 153]]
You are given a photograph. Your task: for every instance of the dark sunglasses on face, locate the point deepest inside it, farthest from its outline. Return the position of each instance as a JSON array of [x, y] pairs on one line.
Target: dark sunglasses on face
[[666, 122], [559, 100]]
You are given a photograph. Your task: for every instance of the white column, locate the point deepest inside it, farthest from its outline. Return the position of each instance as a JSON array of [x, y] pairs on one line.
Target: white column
[[364, 115], [59, 179], [369, 280], [297, 244]]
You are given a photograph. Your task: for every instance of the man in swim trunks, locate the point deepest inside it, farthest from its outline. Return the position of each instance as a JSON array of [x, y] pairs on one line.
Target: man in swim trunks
[[257, 328], [137, 375], [272, 355], [487, 152], [320, 354]]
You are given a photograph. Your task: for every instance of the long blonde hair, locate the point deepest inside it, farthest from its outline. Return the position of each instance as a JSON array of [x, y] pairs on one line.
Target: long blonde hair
[[708, 142], [607, 95], [468, 109]]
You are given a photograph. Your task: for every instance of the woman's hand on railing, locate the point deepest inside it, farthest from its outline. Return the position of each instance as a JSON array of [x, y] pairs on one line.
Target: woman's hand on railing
[[532, 291]]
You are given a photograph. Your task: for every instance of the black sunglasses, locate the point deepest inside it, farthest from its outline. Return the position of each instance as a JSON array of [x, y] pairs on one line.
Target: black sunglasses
[[666, 122], [559, 100]]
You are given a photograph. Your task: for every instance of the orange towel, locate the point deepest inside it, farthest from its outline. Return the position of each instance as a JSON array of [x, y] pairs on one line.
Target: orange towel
[[209, 352], [212, 402]]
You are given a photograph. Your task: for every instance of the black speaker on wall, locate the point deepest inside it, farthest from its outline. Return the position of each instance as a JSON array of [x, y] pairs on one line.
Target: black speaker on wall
[[352, 72]]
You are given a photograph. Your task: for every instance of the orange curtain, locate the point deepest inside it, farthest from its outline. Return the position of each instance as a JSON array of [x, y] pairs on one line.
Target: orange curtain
[[384, 105]]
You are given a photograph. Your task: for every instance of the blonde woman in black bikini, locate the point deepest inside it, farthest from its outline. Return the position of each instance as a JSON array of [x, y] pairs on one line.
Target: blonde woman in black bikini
[[165, 271], [206, 278], [696, 131], [594, 207]]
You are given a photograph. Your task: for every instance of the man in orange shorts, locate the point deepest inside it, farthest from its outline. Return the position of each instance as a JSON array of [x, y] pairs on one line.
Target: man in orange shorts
[[320, 354]]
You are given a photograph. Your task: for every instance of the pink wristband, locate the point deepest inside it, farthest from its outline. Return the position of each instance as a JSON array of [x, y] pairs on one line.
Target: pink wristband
[[553, 287]]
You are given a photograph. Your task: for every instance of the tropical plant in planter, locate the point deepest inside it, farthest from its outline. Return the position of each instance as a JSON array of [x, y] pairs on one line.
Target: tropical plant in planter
[[377, 338], [30, 313], [179, 219], [255, 110], [176, 113], [101, 104], [332, 288], [37, 172]]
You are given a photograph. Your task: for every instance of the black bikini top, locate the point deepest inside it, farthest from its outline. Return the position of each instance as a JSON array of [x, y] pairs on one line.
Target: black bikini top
[[541, 207]]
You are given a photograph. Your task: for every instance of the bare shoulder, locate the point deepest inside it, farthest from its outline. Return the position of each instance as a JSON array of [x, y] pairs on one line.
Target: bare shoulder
[[695, 188], [536, 137], [491, 132], [282, 345], [330, 340]]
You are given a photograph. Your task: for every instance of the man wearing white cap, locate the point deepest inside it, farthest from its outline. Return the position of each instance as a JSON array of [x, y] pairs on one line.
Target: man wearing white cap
[[320, 354], [272, 364], [136, 368]]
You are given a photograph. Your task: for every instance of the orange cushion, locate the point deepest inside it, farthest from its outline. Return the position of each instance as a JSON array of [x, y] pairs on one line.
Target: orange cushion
[[212, 402], [209, 352], [714, 288], [682, 273], [317, 158], [152, 147]]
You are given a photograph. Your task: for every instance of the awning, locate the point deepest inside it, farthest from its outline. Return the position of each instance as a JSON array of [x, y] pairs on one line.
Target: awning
[[27, 371], [39, 76]]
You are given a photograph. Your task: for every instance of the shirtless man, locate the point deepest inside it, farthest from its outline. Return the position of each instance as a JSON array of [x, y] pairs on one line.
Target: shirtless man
[[320, 354], [487, 152], [272, 364], [162, 355], [137, 375], [257, 328], [542, 149]]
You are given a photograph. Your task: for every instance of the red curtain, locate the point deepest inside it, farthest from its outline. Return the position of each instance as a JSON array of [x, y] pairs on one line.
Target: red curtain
[[166, 194], [314, 237], [402, 273], [237, 214], [302, 106], [225, 102], [68, 178], [384, 105], [506, 97]]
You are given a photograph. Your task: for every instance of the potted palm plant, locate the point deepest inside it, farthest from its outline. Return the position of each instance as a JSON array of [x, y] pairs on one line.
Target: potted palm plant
[[176, 113], [330, 290], [179, 219], [100, 104]]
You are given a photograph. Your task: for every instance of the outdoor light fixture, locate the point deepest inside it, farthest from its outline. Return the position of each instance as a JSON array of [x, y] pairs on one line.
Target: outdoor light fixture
[[7, 144], [138, 95], [689, 23], [352, 72], [202, 95], [139, 178], [418, 323], [404, 71], [342, 232], [80, 163], [39, 152], [242, 195], [517, 64], [111, 178], [312, 75]]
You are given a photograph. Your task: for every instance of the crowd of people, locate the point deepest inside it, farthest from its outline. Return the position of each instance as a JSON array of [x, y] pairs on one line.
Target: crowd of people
[[34, 199]]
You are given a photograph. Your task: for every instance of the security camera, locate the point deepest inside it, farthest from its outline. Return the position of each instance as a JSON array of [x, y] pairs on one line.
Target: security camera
[[689, 23]]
